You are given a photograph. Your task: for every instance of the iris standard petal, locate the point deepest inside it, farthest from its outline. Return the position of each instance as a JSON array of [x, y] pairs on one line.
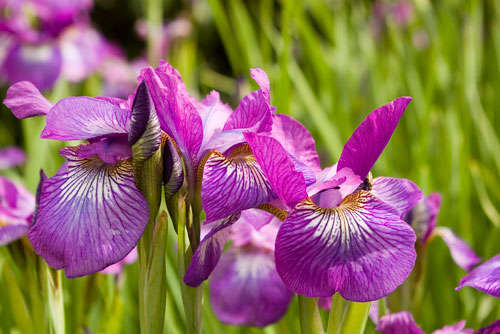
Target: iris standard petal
[[362, 249], [232, 184], [245, 289], [402, 194], [398, 323], [423, 216], [485, 277], [176, 110], [208, 253], [461, 253], [296, 140], [89, 215], [370, 138], [25, 100], [214, 114], [288, 183], [11, 156], [38, 63], [262, 80], [76, 118]]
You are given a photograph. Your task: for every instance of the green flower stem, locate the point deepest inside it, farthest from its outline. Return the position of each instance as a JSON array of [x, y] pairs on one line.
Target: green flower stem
[[192, 298], [310, 319], [336, 315], [154, 19], [52, 283]]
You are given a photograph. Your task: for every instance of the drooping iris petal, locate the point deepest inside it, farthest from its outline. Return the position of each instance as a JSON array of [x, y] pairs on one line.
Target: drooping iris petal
[[16, 210], [89, 215], [398, 323], [370, 138], [286, 181], [485, 277], [362, 249], [461, 253], [176, 110], [232, 184], [245, 289], [75, 118], [39, 64], [296, 140], [208, 253], [423, 217], [402, 194], [25, 100], [493, 328], [11, 157], [458, 328]]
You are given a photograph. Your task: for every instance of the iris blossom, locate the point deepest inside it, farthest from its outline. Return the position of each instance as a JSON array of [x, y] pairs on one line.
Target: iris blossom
[[90, 214], [423, 219], [245, 288], [16, 210], [345, 232], [485, 277], [11, 157], [63, 41], [403, 323]]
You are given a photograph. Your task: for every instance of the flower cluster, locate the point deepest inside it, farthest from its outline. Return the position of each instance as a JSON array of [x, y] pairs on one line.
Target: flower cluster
[[293, 227]]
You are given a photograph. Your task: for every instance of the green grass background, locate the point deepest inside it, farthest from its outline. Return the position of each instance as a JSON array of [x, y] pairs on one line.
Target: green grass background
[[329, 69]]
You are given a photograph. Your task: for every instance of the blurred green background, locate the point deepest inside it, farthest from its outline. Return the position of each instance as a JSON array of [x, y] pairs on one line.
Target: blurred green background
[[330, 64]]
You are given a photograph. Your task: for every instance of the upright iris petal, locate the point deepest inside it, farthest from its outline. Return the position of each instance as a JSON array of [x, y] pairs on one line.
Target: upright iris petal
[[90, 214], [245, 288], [16, 210], [343, 234]]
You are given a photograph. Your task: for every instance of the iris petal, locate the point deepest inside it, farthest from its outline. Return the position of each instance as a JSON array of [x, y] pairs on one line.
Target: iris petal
[[76, 118], [89, 215], [25, 100], [208, 253], [232, 184], [398, 323], [485, 277], [402, 194], [370, 138], [461, 253], [245, 289], [361, 249], [11, 156]]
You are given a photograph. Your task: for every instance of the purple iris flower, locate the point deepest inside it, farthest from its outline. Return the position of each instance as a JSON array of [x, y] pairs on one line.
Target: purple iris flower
[[90, 214], [485, 277], [11, 157], [245, 288], [423, 219], [16, 210], [63, 42], [403, 323], [345, 232]]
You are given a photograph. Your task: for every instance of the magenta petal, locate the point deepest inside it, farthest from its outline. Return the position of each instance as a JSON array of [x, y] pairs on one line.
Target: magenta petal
[[214, 114], [493, 328], [362, 249], [11, 157], [176, 110], [25, 100], [398, 323], [457, 328], [40, 64], [461, 253], [296, 140], [286, 181], [233, 184], [402, 194], [262, 80], [208, 253], [423, 217], [245, 289], [76, 118], [89, 215], [257, 228], [117, 267], [485, 277], [370, 138]]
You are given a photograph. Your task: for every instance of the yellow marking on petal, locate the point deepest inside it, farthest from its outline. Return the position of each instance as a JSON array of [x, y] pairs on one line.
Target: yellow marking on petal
[[3, 223], [281, 214], [242, 152]]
